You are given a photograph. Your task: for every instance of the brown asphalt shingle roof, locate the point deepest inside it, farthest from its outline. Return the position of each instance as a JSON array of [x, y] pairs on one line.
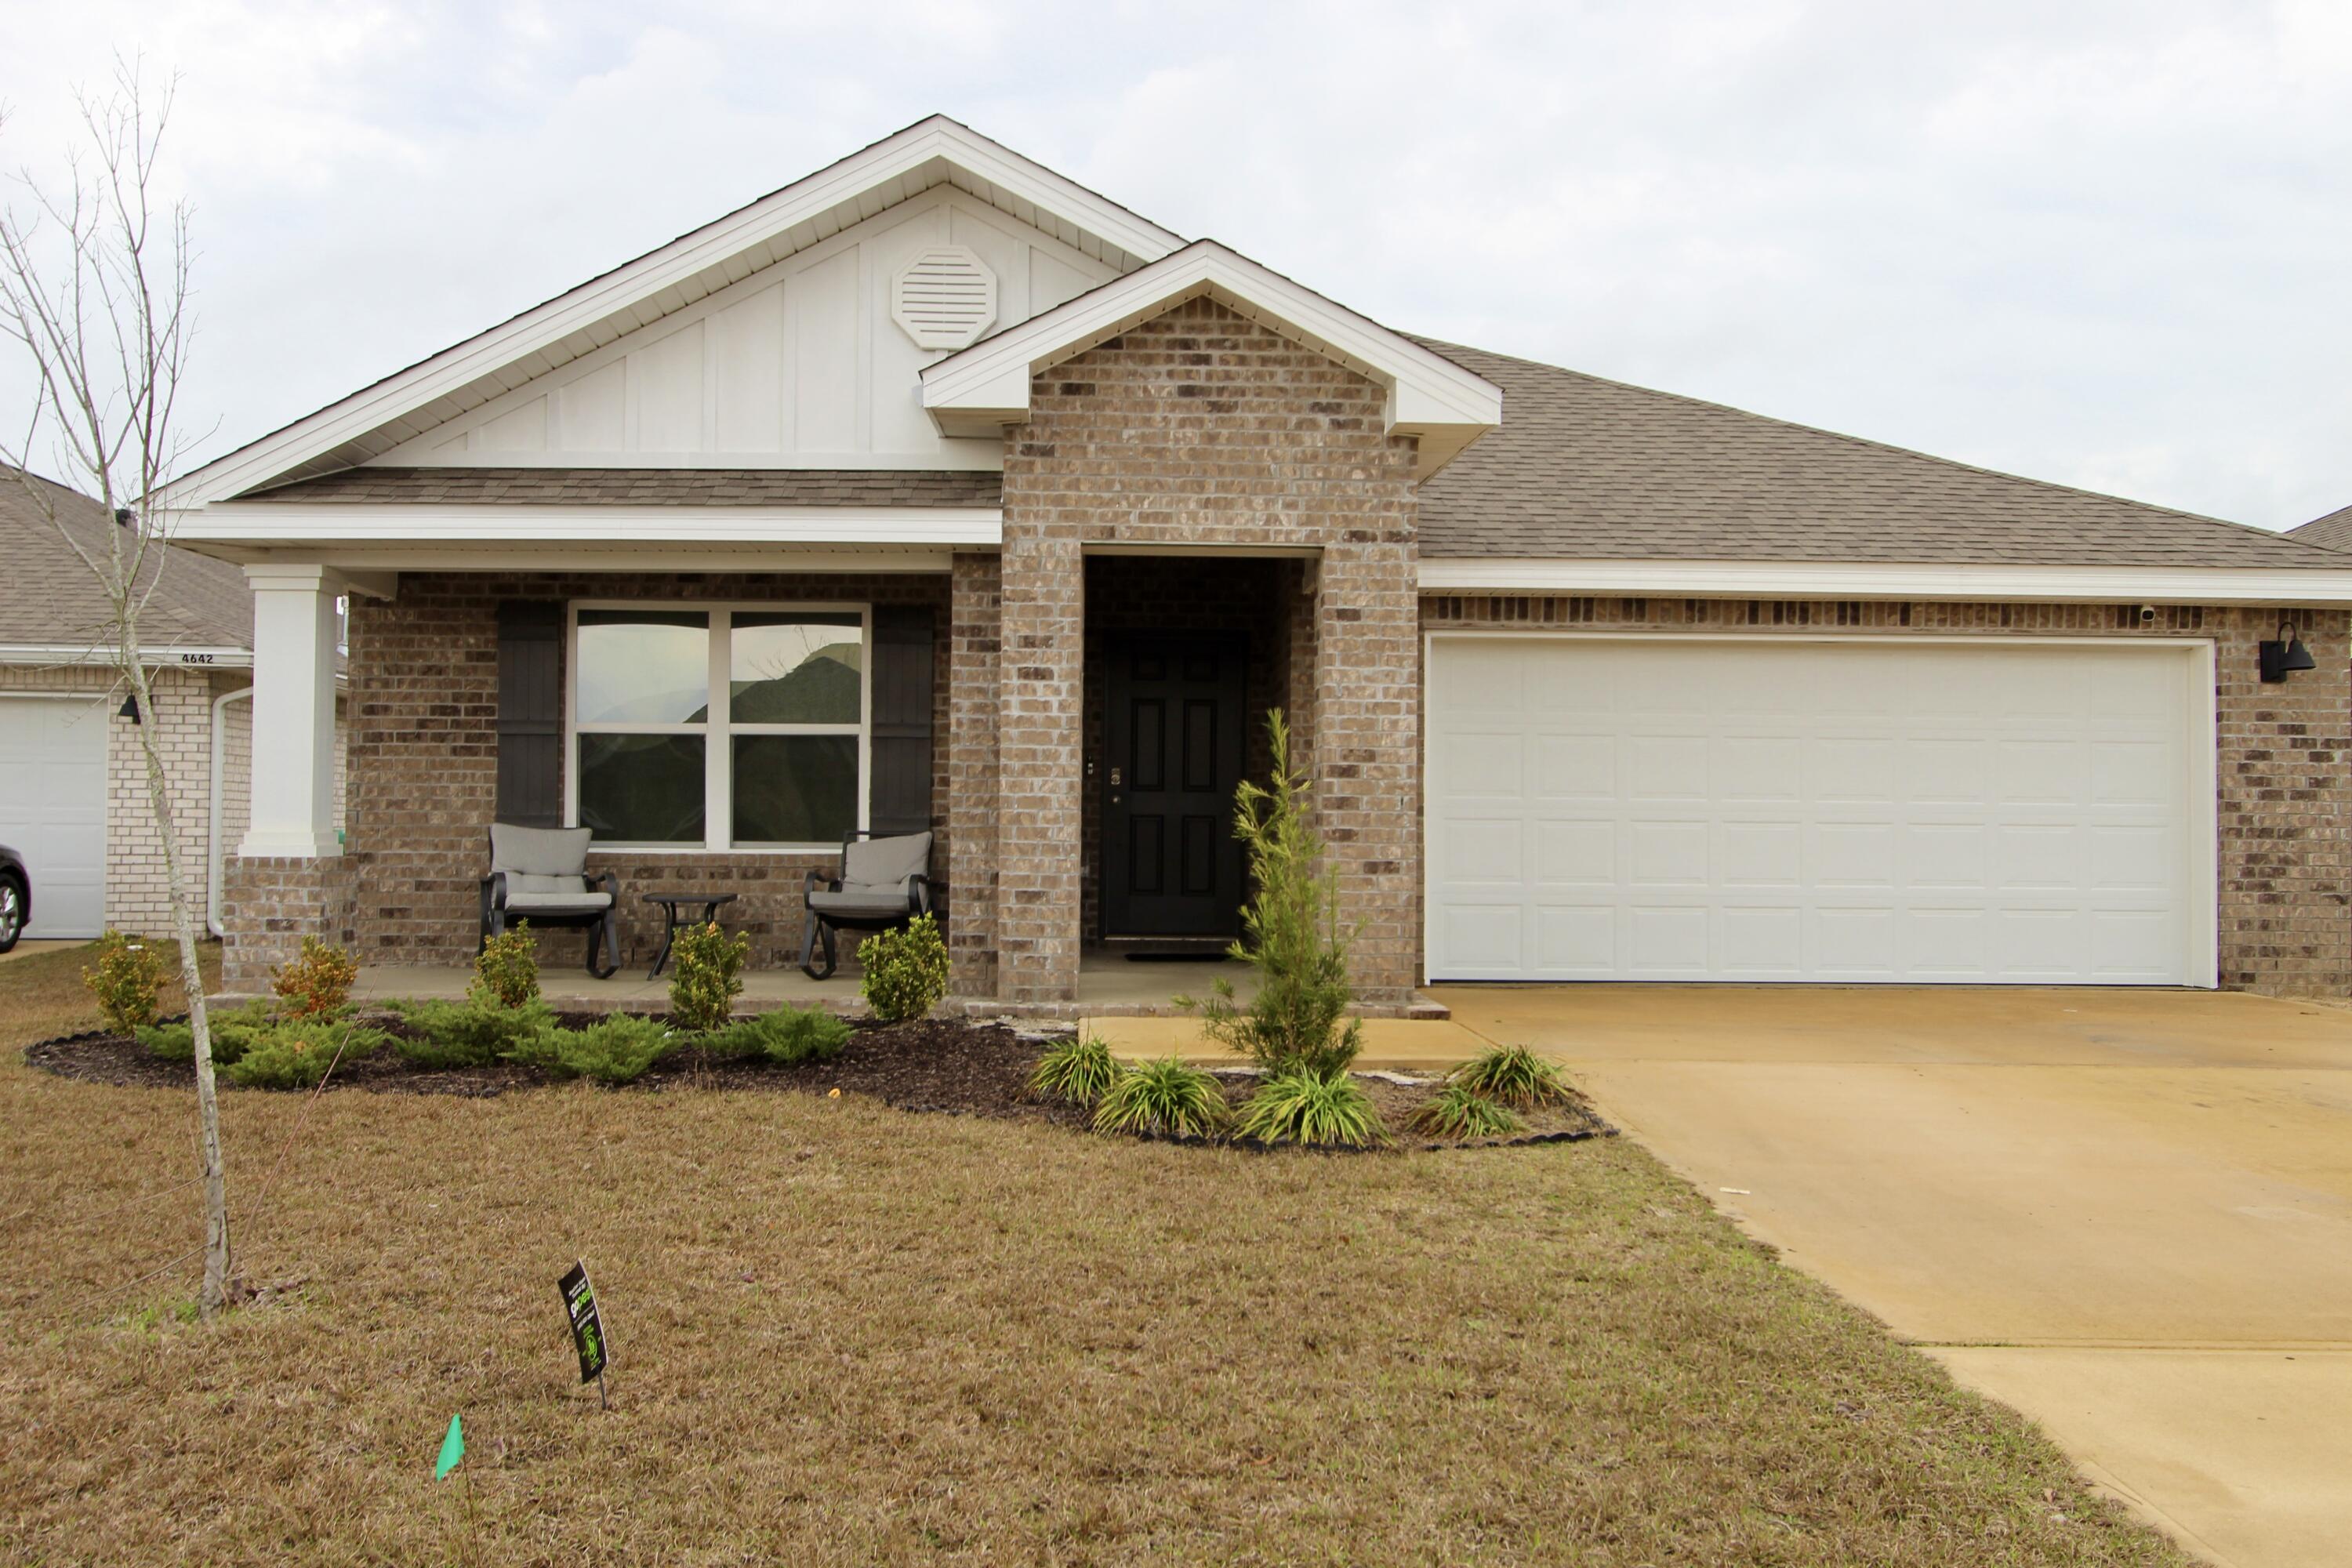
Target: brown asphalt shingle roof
[[648, 487], [50, 598], [1584, 468], [2333, 531]]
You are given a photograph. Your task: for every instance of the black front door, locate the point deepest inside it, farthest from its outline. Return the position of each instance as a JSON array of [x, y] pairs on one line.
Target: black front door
[[1171, 866]]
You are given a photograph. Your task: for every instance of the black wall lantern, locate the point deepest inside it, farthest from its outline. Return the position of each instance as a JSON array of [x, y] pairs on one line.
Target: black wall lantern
[[2285, 657], [130, 709]]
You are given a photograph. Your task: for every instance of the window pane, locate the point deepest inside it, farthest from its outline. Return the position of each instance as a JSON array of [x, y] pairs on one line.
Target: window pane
[[796, 789], [643, 667], [796, 668], [642, 789]]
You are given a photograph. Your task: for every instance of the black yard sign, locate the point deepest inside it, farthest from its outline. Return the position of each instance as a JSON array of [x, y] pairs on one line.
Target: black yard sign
[[587, 1328]]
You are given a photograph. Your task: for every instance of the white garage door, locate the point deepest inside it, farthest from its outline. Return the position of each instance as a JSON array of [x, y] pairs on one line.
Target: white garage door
[[53, 807], [1746, 810]]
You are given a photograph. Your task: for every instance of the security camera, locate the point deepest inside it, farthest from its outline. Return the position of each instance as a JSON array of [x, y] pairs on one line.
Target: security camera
[[2147, 615]]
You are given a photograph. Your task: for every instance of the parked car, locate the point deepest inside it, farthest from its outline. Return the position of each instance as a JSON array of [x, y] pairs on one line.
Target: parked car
[[15, 897]]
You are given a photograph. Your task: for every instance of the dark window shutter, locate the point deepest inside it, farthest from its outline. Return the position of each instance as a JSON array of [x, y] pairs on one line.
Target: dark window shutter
[[531, 712], [902, 720]]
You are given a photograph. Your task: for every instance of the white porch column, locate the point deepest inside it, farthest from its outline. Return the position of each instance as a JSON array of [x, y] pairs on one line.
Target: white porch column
[[293, 712]]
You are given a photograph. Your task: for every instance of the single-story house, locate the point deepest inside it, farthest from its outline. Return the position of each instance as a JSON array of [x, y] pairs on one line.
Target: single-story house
[[2333, 531], [73, 780], [937, 491]]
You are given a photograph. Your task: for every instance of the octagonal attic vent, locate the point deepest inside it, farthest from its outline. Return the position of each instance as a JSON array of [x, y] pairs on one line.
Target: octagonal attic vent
[[945, 299]]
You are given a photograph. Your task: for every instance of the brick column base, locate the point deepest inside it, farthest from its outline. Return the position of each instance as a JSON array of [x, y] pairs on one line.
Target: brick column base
[[269, 904]]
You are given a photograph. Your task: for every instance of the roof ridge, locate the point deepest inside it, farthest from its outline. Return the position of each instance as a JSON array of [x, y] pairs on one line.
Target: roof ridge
[[1439, 346]]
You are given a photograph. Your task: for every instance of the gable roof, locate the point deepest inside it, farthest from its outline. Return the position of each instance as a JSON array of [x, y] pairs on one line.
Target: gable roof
[[53, 602], [933, 152], [2333, 531], [1585, 468], [978, 390]]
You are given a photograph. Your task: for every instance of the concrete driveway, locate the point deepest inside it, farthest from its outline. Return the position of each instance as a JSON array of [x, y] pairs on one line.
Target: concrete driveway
[[2127, 1214]]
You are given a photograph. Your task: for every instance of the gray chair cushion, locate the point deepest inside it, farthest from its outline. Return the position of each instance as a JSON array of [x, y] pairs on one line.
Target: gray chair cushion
[[852, 905], [539, 851], [532, 883], [878, 864], [572, 904]]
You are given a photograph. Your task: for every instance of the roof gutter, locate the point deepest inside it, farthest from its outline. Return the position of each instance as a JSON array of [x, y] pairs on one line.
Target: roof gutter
[[1873, 580], [214, 658]]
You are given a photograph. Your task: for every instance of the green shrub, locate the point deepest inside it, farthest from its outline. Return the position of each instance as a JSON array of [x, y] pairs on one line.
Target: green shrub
[[1078, 1069], [905, 970], [1291, 935], [507, 969], [298, 1053], [234, 1030], [709, 976], [1459, 1112], [468, 1034], [616, 1050], [1164, 1096], [126, 981], [1513, 1075], [786, 1036], [315, 982], [1312, 1108]]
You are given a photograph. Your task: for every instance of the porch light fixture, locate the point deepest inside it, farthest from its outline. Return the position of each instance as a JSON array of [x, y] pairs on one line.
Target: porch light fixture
[[2285, 657], [130, 709]]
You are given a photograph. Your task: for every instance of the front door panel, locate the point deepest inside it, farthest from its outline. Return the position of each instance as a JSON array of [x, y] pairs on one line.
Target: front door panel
[[1173, 758]]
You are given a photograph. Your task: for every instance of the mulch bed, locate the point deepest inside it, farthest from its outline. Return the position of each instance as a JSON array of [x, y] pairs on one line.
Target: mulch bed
[[936, 1065]]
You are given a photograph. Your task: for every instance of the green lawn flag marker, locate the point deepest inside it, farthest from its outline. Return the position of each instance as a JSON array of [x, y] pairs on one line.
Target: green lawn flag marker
[[587, 1328], [453, 1449]]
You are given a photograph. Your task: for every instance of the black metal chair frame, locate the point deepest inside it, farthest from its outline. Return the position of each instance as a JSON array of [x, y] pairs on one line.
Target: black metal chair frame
[[604, 926], [820, 927]]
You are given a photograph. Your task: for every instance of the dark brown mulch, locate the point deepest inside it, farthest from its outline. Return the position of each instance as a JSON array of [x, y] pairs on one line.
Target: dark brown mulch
[[939, 1065]]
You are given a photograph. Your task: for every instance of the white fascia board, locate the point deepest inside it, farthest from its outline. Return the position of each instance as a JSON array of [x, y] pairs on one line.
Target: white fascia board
[[1865, 579], [838, 185], [276, 525], [82, 653], [978, 390]]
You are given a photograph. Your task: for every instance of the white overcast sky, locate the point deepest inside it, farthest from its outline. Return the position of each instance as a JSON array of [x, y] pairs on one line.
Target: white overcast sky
[[2109, 244]]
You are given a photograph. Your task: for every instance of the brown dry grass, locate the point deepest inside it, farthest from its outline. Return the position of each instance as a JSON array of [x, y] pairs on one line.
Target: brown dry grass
[[844, 1334]]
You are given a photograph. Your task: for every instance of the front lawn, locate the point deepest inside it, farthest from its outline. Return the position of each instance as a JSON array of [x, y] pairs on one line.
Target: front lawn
[[843, 1334]]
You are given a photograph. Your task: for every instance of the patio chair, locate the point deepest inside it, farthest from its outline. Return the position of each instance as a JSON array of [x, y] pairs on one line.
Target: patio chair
[[540, 875], [883, 883]]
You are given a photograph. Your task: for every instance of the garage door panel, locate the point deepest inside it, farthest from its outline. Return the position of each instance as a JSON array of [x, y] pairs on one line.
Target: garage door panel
[[53, 807], [1828, 811]]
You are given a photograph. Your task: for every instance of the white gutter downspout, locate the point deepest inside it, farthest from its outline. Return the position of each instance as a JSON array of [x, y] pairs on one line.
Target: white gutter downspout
[[213, 823]]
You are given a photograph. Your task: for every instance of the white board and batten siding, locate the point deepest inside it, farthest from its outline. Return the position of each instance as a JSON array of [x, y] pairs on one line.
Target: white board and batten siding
[[803, 364], [53, 806], [1909, 811]]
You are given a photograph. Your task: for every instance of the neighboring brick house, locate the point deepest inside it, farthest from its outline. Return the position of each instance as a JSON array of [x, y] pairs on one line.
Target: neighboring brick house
[[934, 490], [73, 782]]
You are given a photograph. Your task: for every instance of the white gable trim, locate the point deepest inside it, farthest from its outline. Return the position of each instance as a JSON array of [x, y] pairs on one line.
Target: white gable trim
[[640, 292], [985, 388], [276, 525], [1972, 583]]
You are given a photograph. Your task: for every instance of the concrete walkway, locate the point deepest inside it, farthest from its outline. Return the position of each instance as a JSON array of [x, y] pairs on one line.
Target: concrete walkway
[[2127, 1214]]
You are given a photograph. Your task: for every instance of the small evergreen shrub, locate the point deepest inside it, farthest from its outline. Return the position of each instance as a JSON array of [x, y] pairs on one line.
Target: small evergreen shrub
[[1459, 1112], [316, 982], [612, 1050], [709, 977], [905, 970], [126, 981], [1513, 1075], [1078, 1069], [234, 1031], [1291, 935], [469, 1034], [785, 1036], [1312, 1108], [298, 1053], [507, 969], [1164, 1096]]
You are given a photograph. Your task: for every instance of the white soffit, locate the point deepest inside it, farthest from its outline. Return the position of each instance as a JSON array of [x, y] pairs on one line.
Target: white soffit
[[985, 388], [280, 526], [1972, 581], [934, 152]]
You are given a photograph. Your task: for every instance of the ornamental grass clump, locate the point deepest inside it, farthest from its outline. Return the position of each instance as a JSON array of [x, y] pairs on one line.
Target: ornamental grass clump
[[1078, 1069], [709, 977], [785, 1036], [1513, 1075], [1459, 1112], [1326, 1109], [126, 981], [1162, 1097], [1291, 934], [316, 982], [905, 970]]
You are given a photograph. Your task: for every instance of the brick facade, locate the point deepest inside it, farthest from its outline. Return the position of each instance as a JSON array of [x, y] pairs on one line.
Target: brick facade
[[974, 621], [2284, 813], [269, 904]]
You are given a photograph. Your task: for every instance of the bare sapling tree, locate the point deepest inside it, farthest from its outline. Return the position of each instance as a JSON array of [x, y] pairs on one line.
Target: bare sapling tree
[[94, 292]]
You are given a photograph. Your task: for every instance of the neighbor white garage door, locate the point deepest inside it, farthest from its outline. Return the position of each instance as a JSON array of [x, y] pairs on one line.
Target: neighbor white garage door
[[1757, 810], [53, 807]]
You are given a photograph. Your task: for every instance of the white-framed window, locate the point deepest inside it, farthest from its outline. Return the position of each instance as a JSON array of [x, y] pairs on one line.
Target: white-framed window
[[717, 726]]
